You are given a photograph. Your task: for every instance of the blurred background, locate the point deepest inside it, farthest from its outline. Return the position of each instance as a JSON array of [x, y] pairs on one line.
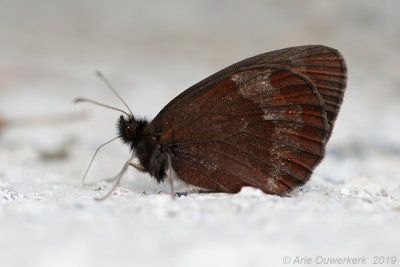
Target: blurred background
[[151, 51]]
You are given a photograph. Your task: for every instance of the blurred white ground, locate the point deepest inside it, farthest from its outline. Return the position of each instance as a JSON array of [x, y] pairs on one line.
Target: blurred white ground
[[151, 52]]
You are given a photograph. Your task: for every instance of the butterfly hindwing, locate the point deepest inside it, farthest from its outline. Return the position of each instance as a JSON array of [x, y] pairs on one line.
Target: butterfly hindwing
[[262, 125]]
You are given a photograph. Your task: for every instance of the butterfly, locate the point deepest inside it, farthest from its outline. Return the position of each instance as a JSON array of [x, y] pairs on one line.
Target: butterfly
[[263, 122]]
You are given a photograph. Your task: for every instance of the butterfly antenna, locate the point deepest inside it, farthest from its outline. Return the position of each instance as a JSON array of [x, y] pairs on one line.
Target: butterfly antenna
[[101, 76], [78, 100], [94, 156]]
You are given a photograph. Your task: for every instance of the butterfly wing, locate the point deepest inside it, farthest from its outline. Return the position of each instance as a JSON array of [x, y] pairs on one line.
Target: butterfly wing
[[324, 66], [260, 125]]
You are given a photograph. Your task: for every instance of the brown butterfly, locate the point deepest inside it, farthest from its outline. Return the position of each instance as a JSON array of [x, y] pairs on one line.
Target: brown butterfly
[[263, 122]]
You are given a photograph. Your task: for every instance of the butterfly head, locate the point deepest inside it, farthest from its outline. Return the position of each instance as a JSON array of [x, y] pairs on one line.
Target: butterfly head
[[127, 128]]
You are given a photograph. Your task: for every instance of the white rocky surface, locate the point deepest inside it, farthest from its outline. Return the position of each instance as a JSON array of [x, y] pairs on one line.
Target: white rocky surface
[[151, 52]]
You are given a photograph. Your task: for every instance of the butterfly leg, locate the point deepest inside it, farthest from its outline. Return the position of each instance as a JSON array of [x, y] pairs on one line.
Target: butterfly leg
[[171, 176], [137, 166], [131, 163], [118, 179]]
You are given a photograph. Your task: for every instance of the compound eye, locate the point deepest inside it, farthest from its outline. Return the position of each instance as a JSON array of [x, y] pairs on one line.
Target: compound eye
[[130, 130]]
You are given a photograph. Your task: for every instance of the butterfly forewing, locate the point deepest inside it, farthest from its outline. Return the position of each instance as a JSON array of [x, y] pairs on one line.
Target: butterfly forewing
[[324, 66], [261, 125]]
